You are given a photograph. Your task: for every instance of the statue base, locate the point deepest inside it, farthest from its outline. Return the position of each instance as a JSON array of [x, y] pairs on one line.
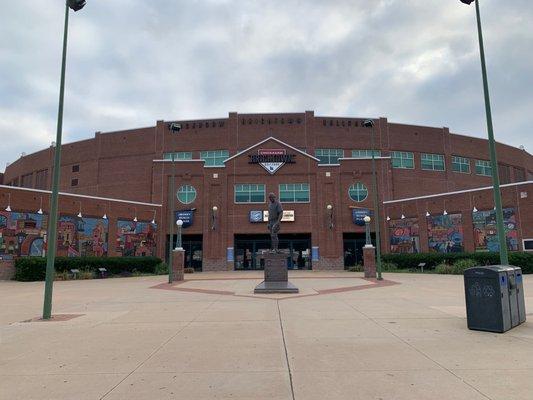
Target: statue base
[[276, 275]]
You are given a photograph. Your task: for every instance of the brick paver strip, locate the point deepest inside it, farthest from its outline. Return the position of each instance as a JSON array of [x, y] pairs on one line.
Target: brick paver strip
[[55, 318]]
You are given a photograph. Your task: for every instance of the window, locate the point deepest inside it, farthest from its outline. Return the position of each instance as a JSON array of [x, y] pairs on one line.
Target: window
[[483, 168], [460, 164], [519, 174], [249, 193], [294, 192], [186, 194], [74, 182], [403, 159], [432, 162], [180, 155], [329, 156], [504, 171], [76, 168], [365, 153], [214, 157], [27, 181], [358, 192]]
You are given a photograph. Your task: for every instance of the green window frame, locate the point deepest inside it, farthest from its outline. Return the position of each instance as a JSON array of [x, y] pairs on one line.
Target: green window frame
[[294, 193], [461, 164], [179, 155], [186, 194], [483, 168], [329, 156], [432, 162], [365, 153], [403, 159], [214, 158], [249, 193], [358, 192]]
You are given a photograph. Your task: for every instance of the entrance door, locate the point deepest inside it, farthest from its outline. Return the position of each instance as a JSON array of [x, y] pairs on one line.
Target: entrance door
[[193, 246], [249, 247], [353, 248]]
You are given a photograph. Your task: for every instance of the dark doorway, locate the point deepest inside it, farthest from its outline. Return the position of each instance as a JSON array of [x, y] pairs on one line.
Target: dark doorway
[[193, 245], [247, 248], [353, 248]]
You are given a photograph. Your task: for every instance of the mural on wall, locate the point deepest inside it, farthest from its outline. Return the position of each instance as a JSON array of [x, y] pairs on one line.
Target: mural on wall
[[136, 239], [486, 232], [22, 234], [82, 236], [445, 233], [404, 236]]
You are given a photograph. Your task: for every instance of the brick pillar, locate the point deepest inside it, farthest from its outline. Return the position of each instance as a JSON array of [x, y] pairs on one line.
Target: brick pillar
[[369, 261], [178, 264]]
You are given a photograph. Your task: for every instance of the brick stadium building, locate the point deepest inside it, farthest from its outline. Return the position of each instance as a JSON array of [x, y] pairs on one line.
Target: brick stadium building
[[434, 188]]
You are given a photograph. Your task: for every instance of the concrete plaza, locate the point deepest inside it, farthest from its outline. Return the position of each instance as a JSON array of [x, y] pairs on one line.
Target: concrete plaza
[[343, 337]]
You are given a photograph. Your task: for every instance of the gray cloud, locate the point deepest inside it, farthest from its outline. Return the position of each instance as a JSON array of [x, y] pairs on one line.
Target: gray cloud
[[131, 62]]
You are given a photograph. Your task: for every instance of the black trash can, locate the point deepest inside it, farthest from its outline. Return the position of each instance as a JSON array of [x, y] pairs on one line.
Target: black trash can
[[494, 298]]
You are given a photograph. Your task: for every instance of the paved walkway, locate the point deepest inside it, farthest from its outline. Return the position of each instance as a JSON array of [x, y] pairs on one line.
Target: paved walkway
[[134, 341]]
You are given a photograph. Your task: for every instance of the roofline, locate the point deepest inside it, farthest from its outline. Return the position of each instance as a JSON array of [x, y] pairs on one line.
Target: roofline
[[266, 140], [363, 158], [456, 192], [81, 196], [191, 160]]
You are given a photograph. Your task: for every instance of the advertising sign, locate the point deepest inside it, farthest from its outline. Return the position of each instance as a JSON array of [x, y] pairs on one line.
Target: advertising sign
[[359, 214], [272, 159], [186, 216], [288, 216], [256, 216]]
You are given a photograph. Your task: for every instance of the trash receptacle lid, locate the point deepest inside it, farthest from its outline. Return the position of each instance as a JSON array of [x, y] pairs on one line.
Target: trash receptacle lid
[[487, 270]]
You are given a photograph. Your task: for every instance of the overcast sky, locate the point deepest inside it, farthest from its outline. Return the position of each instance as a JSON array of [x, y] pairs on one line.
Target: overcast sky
[[132, 62]]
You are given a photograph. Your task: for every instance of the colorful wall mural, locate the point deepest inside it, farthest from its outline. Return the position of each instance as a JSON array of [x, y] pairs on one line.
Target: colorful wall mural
[[404, 235], [22, 234], [445, 233], [82, 236], [486, 232], [136, 238]]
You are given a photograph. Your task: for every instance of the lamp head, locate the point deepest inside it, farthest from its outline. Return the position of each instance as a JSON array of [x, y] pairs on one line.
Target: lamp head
[[329, 207], [368, 123], [366, 219], [179, 222], [215, 208], [76, 5]]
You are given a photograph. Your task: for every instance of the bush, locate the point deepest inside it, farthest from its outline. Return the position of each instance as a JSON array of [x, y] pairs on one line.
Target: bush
[[29, 269], [408, 261], [188, 270], [388, 267], [460, 265], [444, 268], [161, 269]]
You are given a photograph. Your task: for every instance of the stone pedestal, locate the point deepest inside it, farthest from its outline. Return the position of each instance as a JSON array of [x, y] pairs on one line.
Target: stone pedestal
[[369, 261], [7, 269], [178, 265], [276, 275]]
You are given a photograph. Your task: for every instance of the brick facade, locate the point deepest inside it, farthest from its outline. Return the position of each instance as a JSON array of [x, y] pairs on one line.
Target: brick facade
[[129, 165]]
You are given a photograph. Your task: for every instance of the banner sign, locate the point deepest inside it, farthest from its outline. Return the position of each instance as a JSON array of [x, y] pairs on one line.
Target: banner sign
[[187, 216], [314, 253], [230, 254], [272, 159], [359, 214], [256, 216], [288, 216]]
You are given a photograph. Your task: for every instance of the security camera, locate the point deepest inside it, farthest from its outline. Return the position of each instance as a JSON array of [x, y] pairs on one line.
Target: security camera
[[368, 123], [174, 127]]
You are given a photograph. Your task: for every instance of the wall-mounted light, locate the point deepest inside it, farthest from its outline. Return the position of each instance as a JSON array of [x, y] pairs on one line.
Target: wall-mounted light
[[80, 215], [153, 219], [428, 214], [445, 212], [329, 209], [105, 212], [8, 208], [135, 217], [474, 209], [214, 212], [403, 216], [388, 218], [40, 211]]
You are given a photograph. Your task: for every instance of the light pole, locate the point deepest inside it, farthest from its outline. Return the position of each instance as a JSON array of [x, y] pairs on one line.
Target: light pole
[[75, 5], [377, 221], [367, 231], [504, 256], [179, 246], [174, 128]]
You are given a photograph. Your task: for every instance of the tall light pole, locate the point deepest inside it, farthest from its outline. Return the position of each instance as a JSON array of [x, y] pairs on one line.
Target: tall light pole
[[504, 256], [377, 221], [174, 128], [75, 5]]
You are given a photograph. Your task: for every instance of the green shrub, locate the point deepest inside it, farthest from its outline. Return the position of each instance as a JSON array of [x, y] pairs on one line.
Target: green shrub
[[34, 268], [460, 265], [388, 267], [161, 269], [409, 261], [443, 268]]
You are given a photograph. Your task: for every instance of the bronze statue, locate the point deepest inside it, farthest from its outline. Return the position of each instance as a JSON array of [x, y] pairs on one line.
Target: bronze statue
[[275, 213]]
